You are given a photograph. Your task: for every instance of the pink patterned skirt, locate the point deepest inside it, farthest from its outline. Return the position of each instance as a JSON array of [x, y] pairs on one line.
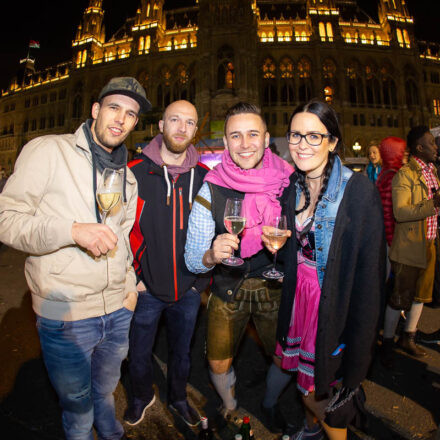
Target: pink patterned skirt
[[299, 354]]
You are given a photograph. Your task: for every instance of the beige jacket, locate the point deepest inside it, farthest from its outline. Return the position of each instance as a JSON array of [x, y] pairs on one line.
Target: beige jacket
[[411, 207], [51, 188]]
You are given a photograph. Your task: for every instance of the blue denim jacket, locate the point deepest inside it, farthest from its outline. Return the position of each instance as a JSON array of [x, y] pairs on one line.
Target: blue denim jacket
[[325, 215]]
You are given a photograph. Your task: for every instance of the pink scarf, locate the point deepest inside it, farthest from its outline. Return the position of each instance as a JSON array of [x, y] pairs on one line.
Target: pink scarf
[[261, 187]]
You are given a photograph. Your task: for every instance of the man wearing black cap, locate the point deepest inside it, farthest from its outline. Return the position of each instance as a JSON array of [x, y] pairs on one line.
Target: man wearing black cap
[[79, 270]]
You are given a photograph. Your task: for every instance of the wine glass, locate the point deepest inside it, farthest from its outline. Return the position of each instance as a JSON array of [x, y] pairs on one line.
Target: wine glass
[[276, 232], [234, 223], [109, 191]]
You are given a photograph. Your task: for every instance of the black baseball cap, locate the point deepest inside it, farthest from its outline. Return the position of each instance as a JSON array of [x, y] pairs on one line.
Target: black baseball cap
[[128, 86]]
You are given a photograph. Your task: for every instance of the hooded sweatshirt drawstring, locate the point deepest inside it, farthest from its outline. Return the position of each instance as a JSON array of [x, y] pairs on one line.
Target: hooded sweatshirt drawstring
[[167, 180], [171, 172], [191, 184]]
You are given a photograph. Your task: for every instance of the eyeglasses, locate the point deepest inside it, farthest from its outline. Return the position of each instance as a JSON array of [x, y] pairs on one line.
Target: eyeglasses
[[313, 139]]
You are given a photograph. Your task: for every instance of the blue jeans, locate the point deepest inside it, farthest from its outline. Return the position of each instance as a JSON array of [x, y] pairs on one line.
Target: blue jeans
[[83, 359], [180, 320]]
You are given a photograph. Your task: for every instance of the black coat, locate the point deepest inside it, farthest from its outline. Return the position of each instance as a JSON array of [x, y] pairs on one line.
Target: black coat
[[353, 292], [159, 232]]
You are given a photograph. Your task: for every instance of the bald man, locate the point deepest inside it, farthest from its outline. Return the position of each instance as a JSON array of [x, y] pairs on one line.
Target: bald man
[[169, 176]]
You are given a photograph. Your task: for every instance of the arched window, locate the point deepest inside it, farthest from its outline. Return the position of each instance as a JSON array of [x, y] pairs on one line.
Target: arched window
[[143, 78], [77, 107], [286, 68], [304, 68], [399, 37], [355, 85], [322, 31], [141, 45], [389, 92], [328, 75], [225, 69], [412, 95], [159, 96], [270, 94], [269, 69], [328, 69], [180, 87], [192, 91], [287, 93], [406, 38], [304, 85], [329, 29], [164, 87]]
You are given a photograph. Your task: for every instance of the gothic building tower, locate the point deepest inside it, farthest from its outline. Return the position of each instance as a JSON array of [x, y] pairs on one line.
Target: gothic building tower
[[226, 50], [90, 35]]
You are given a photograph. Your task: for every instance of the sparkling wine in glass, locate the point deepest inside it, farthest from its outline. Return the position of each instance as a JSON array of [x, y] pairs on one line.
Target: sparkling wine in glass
[[234, 223], [109, 191], [276, 232]]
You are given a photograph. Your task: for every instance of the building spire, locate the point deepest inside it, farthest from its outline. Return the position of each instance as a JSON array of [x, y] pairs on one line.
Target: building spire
[[92, 23], [150, 11], [394, 8], [90, 34]]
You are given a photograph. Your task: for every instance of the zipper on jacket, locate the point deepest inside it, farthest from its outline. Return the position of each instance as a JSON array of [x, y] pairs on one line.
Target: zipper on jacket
[[174, 244], [181, 208]]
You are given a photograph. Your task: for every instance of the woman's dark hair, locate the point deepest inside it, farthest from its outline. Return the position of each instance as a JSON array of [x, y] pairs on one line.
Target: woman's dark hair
[[328, 117]]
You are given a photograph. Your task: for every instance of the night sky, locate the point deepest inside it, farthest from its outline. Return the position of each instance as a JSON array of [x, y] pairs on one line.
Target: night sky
[[53, 24]]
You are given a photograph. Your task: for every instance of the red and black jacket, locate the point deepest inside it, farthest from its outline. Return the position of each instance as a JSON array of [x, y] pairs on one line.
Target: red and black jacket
[[159, 232]]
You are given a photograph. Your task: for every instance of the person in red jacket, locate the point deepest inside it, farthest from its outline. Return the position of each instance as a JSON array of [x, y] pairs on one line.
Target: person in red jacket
[[392, 150]]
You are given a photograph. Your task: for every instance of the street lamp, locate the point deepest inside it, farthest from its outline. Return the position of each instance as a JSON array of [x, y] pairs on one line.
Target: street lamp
[[356, 148]]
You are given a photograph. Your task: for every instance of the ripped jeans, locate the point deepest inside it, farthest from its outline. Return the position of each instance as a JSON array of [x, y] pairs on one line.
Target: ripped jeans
[[83, 359]]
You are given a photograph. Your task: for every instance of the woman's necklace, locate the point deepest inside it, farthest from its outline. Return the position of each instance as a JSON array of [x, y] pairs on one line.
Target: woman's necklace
[[317, 177]]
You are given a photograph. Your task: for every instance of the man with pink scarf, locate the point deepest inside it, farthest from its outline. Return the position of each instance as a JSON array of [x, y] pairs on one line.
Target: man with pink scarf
[[250, 171]]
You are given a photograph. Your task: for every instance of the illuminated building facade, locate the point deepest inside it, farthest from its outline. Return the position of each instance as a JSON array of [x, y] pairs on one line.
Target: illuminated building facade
[[275, 53]]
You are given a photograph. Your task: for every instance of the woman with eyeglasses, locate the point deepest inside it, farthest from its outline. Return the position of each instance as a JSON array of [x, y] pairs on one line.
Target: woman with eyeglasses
[[334, 275]]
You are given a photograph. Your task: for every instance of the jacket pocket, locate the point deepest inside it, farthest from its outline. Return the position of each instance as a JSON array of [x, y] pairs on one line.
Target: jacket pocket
[[60, 264]]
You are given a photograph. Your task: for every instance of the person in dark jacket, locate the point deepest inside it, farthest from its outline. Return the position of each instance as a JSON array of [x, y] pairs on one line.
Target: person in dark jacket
[[169, 176], [334, 272]]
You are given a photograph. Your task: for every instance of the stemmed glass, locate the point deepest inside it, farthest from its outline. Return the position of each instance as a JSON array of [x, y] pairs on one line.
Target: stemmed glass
[[234, 223], [109, 191], [276, 232]]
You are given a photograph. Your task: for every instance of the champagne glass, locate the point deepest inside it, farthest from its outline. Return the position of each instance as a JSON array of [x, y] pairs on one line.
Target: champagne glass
[[276, 232], [234, 223], [108, 193]]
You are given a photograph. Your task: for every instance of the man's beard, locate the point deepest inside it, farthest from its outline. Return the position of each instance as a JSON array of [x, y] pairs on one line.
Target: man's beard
[[173, 146]]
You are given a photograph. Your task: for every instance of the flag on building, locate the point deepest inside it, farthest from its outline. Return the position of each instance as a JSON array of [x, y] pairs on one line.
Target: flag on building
[[34, 44]]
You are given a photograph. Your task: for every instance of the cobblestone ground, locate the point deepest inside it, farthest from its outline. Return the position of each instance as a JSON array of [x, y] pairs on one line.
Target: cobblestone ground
[[402, 404]]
